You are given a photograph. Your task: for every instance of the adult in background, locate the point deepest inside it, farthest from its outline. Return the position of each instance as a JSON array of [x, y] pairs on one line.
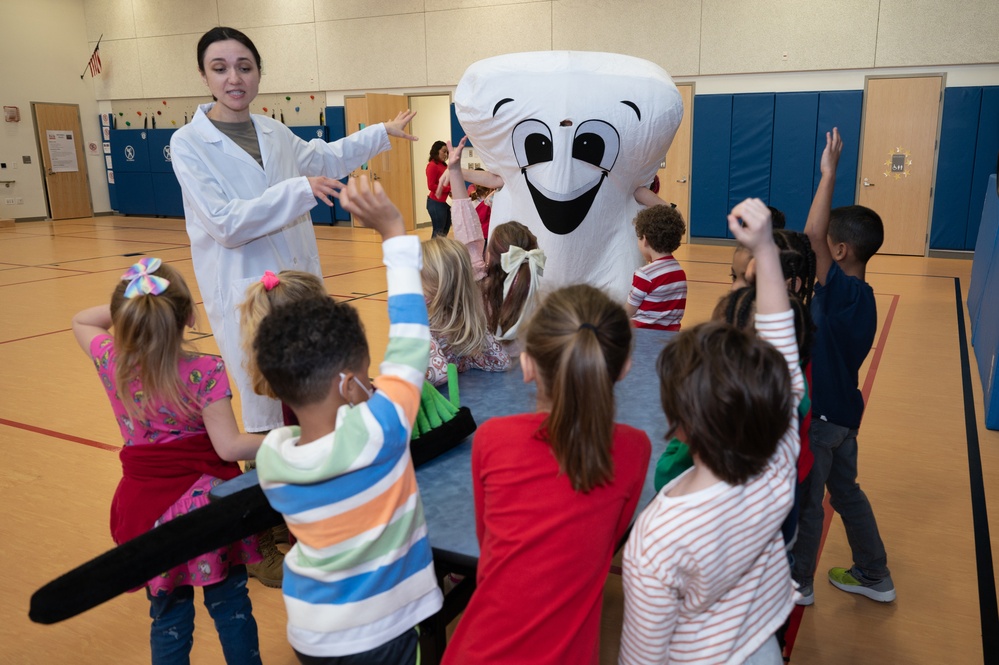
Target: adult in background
[[440, 189], [248, 185]]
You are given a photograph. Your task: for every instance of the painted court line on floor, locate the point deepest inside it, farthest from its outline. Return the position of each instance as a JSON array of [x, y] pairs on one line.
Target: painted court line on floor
[[59, 435]]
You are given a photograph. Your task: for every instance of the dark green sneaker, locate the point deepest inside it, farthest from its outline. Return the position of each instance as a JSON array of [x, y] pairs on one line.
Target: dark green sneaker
[[882, 591]]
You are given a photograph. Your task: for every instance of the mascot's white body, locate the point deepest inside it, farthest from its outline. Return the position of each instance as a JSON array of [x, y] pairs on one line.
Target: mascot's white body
[[573, 135]]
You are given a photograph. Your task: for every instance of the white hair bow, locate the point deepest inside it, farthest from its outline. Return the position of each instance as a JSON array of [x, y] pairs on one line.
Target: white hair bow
[[510, 261]]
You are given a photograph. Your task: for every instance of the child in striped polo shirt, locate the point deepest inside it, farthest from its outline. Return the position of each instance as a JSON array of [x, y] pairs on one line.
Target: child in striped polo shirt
[[360, 576], [658, 294]]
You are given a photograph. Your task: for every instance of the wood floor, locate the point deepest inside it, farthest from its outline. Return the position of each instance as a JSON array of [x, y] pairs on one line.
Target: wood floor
[[58, 443]]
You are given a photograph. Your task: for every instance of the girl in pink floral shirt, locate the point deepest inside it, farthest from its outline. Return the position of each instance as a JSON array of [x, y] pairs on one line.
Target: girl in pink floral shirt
[[173, 408]]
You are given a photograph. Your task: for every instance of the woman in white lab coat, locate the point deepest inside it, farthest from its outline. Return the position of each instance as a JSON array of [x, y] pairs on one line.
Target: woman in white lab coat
[[248, 186]]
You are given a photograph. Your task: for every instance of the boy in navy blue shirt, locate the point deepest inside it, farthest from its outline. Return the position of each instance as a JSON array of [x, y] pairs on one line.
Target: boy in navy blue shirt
[[845, 317]]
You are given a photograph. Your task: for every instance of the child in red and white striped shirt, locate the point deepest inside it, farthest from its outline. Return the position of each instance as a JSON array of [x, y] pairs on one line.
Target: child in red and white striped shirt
[[658, 294], [706, 578]]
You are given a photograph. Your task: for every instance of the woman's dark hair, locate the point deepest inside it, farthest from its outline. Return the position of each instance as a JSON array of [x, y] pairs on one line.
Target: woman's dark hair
[[728, 395], [221, 34], [435, 150]]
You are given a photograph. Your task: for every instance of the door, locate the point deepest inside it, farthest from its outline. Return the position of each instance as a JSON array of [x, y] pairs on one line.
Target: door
[[898, 157], [60, 143], [392, 168], [674, 179]]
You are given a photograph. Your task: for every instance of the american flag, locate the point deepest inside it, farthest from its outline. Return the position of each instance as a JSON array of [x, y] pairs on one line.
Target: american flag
[[95, 62]]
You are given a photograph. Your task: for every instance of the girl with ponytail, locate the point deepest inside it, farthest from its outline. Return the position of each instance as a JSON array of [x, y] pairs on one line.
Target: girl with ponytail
[[554, 491], [173, 408]]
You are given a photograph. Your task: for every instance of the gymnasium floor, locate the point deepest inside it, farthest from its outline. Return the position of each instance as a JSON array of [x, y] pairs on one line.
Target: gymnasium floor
[[58, 442]]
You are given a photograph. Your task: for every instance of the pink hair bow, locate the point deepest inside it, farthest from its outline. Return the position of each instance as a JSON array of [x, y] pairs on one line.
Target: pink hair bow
[[270, 280], [141, 281]]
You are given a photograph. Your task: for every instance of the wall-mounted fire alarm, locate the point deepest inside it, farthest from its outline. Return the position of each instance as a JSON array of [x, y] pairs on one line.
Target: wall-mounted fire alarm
[[11, 114]]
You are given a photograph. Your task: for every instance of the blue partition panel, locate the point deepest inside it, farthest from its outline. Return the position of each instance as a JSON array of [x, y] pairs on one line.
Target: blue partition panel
[[336, 129], [983, 305], [712, 136], [985, 158], [752, 147], [321, 212], [135, 193], [986, 259], [794, 160], [158, 143], [456, 131], [952, 207], [129, 151], [842, 109], [167, 198]]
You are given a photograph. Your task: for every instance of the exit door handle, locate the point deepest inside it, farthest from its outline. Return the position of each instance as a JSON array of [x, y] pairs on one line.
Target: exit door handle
[[682, 180], [867, 183], [375, 176]]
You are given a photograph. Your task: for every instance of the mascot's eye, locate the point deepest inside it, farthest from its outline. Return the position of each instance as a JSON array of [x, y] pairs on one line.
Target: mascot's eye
[[596, 143], [532, 143]]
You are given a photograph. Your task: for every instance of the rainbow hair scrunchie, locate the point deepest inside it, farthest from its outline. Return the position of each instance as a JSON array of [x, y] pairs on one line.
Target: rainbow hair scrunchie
[[141, 281]]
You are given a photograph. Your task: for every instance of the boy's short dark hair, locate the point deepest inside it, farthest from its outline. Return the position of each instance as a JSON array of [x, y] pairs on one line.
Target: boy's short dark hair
[[662, 227], [860, 228], [302, 346], [728, 394]]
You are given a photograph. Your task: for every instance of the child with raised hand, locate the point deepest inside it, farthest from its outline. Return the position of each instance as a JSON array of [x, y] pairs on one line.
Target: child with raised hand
[[705, 574], [846, 321], [360, 576], [458, 327], [509, 270], [544, 561], [658, 295], [174, 411]]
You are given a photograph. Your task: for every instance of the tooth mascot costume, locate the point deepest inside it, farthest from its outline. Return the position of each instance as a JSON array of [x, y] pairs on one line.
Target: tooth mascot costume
[[573, 135]]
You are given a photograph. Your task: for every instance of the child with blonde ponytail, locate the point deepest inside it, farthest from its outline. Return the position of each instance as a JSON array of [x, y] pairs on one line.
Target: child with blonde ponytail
[[173, 407], [554, 491]]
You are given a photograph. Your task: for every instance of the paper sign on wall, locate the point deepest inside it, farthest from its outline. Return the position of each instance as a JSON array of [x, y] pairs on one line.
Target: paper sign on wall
[[62, 151]]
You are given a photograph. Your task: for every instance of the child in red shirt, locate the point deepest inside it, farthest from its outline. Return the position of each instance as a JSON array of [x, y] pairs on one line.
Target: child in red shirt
[[555, 491]]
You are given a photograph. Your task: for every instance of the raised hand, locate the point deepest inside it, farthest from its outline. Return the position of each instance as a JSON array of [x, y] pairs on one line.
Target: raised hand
[[372, 207], [751, 225], [454, 153], [397, 127], [830, 156]]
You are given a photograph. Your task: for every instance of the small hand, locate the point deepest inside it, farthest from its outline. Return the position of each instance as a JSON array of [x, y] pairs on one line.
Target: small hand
[[750, 223], [397, 127], [372, 207], [323, 188], [454, 153], [830, 156]]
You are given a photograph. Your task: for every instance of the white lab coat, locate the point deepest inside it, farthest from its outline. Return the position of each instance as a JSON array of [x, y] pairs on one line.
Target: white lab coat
[[243, 220]]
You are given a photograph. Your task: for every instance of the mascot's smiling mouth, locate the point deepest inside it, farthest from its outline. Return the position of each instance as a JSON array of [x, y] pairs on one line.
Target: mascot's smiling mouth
[[562, 214]]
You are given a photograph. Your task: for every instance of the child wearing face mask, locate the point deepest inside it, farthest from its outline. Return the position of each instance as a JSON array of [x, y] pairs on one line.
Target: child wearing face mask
[[360, 576]]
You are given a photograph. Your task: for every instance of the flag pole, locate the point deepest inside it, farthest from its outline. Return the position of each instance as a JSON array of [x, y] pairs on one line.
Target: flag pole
[[92, 56]]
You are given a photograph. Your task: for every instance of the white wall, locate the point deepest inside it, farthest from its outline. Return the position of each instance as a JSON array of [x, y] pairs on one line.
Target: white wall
[[343, 47], [43, 50]]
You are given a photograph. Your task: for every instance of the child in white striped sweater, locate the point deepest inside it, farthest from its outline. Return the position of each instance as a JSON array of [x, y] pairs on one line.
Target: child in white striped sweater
[[706, 578]]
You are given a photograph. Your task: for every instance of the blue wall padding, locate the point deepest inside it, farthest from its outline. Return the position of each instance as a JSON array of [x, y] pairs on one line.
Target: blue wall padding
[[336, 128], [793, 161], [321, 212], [955, 165], [156, 141], [983, 306], [457, 133], [985, 158], [752, 147], [842, 109], [167, 197], [986, 260], [135, 192], [712, 136], [121, 140]]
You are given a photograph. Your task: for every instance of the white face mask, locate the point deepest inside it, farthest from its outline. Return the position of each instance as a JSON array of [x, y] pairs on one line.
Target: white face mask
[[343, 383]]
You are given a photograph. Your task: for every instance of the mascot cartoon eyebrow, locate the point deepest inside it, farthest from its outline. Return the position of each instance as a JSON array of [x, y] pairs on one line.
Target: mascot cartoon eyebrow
[[573, 135]]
